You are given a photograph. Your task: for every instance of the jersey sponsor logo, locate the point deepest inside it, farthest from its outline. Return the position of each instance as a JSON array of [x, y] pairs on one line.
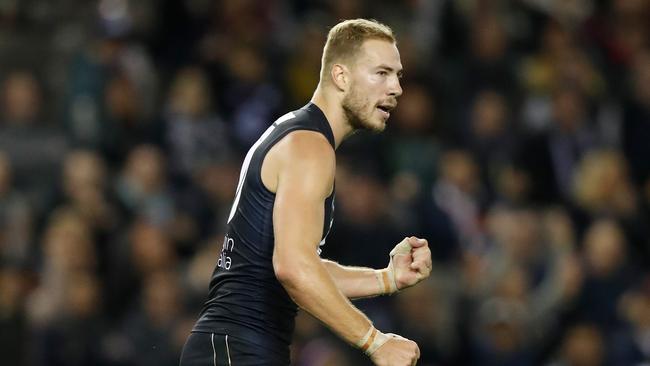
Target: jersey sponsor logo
[[225, 259]]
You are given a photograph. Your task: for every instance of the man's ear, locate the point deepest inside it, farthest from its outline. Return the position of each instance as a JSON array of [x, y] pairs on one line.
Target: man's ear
[[340, 76]]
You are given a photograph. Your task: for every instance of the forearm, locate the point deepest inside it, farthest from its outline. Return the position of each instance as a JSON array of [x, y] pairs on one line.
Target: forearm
[[355, 282], [310, 285]]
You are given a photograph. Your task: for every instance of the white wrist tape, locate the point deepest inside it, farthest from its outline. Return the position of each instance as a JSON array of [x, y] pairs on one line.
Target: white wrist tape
[[386, 280], [386, 277], [372, 341]]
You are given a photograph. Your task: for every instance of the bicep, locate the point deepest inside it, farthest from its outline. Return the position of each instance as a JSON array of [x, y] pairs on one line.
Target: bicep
[[297, 218], [305, 179]]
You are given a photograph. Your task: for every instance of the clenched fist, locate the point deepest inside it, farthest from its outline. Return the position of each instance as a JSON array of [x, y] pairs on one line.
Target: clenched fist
[[398, 351], [410, 262]]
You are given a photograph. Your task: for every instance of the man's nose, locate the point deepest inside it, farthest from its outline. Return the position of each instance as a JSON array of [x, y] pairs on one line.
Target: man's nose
[[395, 89]]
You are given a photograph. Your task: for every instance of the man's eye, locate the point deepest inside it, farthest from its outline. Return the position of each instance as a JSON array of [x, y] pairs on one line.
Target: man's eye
[[382, 73]]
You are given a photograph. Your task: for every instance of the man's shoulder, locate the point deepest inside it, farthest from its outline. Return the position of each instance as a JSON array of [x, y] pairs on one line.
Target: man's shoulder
[[306, 163], [307, 145]]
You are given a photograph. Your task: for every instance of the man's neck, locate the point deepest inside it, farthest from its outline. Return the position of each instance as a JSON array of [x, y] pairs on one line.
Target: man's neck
[[331, 107]]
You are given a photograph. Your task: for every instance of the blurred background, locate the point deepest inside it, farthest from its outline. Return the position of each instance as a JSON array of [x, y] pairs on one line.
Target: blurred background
[[520, 149]]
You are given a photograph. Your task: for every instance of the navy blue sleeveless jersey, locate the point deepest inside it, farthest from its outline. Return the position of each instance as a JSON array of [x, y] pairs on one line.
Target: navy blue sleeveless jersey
[[245, 298]]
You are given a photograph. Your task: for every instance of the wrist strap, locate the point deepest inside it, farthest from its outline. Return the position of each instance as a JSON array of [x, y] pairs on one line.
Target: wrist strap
[[372, 341], [386, 277], [386, 280]]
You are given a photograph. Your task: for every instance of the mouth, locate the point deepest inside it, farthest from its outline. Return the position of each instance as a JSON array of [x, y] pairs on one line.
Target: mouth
[[385, 109]]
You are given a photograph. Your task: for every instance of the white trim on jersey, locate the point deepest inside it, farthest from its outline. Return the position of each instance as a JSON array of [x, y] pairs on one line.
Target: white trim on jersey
[[249, 157]]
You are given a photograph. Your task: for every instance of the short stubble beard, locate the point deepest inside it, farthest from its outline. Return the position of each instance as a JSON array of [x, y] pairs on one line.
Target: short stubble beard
[[353, 107]]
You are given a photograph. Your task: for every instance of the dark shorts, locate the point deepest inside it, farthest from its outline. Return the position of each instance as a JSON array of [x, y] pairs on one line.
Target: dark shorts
[[211, 349]]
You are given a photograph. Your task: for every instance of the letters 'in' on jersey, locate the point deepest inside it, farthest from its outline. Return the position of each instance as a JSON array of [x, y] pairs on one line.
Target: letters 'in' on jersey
[[245, 298]]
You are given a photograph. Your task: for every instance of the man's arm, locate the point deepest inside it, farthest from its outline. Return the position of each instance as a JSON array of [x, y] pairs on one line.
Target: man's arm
[[354, 282], [306, 165], [410, 263]]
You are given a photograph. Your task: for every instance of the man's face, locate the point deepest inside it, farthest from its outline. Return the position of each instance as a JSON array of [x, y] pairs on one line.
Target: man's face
[[374, 85]]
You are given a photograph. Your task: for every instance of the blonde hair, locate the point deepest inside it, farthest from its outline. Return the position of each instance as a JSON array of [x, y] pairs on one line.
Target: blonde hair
[[346, 38]]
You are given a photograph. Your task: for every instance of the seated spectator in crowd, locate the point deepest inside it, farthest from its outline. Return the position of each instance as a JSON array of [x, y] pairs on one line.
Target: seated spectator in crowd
[[75, 336], [195, 136], [154, 328], [17, 222], [583, 345], [609, 272], [631, 345], [14, 328], [33, 144], [551, 157], [143, 188]]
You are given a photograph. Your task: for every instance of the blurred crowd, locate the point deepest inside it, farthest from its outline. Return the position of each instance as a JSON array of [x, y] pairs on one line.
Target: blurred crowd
[[520, 149]]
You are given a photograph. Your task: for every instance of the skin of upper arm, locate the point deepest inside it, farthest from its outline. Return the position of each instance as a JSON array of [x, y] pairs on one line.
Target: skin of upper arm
[[305, 164]]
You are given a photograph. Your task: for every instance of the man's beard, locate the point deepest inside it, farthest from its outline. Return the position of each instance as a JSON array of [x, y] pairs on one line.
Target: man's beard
[[353, 107]]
